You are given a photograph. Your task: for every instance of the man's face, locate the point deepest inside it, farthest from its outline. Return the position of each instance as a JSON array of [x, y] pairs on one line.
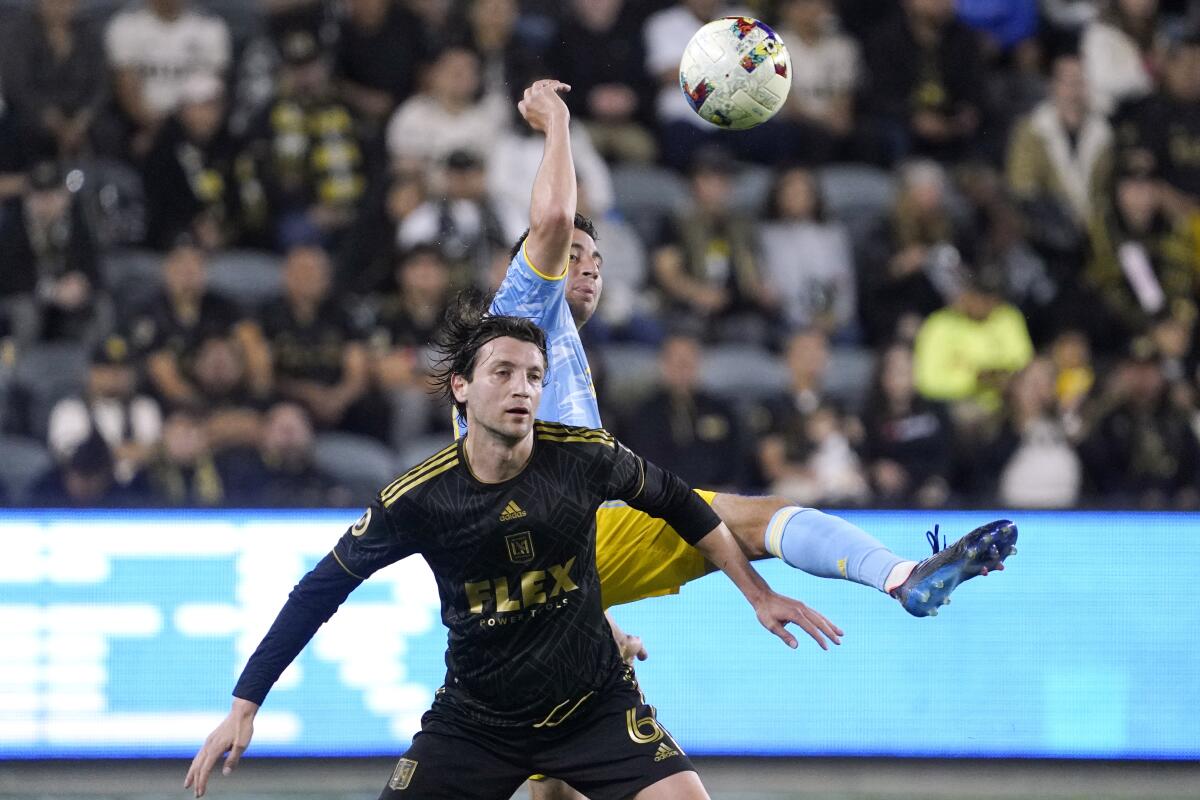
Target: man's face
[[306, 275], [185, 273], [456, 75], [504, 389], [288, 436], [1069, 87], [584, 282], [679, 362], [1183, 74]]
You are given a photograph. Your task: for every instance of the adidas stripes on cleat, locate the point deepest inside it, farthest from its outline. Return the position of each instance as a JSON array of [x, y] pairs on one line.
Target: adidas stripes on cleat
[[981, 551]]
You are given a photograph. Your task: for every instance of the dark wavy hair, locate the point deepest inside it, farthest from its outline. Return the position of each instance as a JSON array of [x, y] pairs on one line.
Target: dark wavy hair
[[582, 223], [468, 327]]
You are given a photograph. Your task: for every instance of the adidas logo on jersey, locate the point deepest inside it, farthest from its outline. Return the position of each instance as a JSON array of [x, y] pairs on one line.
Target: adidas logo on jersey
[[664, 752], [511, 511]]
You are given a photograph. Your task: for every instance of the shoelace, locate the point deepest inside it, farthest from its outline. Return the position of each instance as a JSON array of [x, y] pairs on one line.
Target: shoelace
[[932, 537]]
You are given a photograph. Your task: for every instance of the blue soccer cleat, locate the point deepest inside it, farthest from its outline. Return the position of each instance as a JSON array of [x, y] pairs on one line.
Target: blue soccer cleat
[[981, 551]]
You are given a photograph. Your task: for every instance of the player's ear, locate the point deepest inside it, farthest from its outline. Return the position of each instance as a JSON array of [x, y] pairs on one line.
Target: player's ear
[[458, 385]]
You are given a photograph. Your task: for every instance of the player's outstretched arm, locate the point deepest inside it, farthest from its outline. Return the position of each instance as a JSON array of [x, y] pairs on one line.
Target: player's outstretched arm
[[774, 610], [232, 736], [554, 197]]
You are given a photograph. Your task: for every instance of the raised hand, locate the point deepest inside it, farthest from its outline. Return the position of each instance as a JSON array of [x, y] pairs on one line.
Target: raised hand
[[543, 107]]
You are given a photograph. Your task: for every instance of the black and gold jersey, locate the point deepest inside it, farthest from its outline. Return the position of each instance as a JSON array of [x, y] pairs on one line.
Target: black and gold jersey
[[515, 566]]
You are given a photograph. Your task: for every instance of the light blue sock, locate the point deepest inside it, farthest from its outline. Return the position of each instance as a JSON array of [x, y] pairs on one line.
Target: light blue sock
[[828, 547]]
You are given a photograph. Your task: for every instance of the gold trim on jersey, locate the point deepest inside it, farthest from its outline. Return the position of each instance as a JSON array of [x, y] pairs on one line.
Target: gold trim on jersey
[[546, 723], [342, 564], [538, 272], [405, 481], [554, 432]]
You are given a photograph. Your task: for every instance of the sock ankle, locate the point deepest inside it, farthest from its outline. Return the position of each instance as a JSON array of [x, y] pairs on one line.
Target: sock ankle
[[828, 547]]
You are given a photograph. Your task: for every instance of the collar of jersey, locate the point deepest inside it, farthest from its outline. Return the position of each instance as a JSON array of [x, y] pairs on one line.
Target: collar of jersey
[[462, 458]]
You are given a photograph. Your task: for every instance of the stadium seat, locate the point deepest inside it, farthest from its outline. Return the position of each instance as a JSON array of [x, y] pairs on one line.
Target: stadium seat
[[743, 372], [22, 462], [361, 464], [854, 191], [133, 278], [417, 450], [248, 278], [848, 378], [647, 194], [631, 372], [751, 190], [44, 374]]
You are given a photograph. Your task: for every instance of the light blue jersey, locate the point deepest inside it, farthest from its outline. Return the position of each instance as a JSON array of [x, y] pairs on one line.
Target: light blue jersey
[[569, 396]]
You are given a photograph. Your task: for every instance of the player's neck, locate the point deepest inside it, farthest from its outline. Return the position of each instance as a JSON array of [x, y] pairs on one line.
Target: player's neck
[[495, 459]]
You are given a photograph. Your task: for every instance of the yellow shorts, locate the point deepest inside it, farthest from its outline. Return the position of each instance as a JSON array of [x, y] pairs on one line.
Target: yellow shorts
[[640, 556]]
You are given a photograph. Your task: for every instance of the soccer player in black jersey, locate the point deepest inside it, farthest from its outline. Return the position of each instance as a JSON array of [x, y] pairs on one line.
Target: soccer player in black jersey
[[505, 517]]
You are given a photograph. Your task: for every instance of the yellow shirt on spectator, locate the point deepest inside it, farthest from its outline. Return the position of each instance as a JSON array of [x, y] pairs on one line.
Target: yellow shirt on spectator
[[953, 350]]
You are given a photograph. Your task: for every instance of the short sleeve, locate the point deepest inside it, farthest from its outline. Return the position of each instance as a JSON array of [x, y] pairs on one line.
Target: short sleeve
[[528, 292], [372, 543], [120, 42]]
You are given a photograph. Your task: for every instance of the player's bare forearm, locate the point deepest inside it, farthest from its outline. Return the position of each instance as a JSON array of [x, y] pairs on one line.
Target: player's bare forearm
[[631, 646], [553, 200], [774, 610]]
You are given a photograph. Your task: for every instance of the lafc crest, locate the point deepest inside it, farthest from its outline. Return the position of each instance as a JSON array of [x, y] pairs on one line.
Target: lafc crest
[[520, 547], [402, 774]]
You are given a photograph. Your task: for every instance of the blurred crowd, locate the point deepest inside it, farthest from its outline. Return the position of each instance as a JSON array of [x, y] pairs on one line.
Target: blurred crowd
[[961, 267]]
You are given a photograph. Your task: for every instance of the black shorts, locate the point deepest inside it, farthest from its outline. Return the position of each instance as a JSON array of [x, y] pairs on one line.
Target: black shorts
[[614, 749]]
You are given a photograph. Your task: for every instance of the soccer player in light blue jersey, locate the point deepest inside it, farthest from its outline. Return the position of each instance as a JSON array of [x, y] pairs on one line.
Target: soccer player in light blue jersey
[[555, 279]]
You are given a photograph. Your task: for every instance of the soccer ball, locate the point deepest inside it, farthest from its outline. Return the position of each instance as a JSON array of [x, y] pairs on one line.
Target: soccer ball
[[735, 73]]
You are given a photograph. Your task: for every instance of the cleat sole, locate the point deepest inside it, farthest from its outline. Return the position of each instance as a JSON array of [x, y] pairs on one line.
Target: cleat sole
[[979, 552]]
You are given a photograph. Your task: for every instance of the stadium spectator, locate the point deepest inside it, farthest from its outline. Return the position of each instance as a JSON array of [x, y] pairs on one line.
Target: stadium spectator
[[281, 472], [1143, 261], [1034, 456], [169, 332], [906, 261], [376, 57], [306, 151], [1060, 157], [966, 353], [112, 407], [318, 350], [1162, 132], [909, 440], [683, 428], [86, 479], [602, 58], [1141, 449], [184, 471], [368, 252], [405, 322], [471, 228], [1036, 284], [807, 259], [706, 266], [50, 264], [450, 112], [55, 72], [232, 411], [153, 49], [804, 452], [1118, 50], [926, 84], [1074, 377], [826, 76], [193, 187], [507, 58]]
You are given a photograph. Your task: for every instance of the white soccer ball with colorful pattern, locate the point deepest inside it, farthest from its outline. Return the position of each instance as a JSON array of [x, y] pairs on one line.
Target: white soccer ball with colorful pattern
[[735, 73]]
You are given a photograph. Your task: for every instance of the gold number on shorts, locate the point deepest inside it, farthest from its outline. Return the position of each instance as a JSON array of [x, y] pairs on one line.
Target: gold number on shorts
[[642, 730]]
